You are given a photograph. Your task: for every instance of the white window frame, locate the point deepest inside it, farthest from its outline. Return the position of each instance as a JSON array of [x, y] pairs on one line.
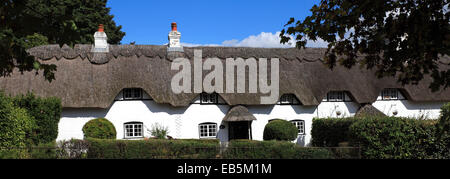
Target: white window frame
[[135, 93], [210, 128], [133, 128], [390, 94], [300, 125]]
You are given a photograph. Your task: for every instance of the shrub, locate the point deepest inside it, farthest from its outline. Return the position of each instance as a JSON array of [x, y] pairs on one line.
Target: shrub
[[46, 112], [159, 131], [247, 149], [394, 138], [329, 132], [443, 127], [280, 130], [151, 149], [99, 128], [15, 129], [72, 149]]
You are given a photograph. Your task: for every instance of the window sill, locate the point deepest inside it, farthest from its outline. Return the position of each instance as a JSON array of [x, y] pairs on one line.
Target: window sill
[[133, 138]]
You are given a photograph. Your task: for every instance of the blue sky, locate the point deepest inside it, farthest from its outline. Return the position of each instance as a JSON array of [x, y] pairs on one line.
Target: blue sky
[[208, 22]]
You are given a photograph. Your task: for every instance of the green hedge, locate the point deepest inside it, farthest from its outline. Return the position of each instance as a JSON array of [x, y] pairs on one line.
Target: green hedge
[[329, 132], [387, 137], [280, 130], [396, 138], [99, 128], [46, 112], [15, 129], [247, 149], [151, 149]]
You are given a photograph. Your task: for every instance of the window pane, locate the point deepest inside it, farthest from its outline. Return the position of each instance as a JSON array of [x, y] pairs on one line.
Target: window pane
[[205, 98], [213, 98], [207, 130], [389, 94]]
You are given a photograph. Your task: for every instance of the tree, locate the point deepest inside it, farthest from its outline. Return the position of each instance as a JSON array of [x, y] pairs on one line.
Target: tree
[[29, 23], [403, 38]]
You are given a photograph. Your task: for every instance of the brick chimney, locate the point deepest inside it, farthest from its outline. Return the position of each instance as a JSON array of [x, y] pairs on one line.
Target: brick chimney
[[174, 39], [100, 40]]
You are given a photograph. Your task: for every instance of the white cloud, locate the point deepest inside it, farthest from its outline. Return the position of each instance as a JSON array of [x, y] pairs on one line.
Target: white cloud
[[262, 40]]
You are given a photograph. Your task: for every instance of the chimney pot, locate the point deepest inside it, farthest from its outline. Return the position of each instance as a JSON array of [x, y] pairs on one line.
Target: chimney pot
[[101, 28], [174, 26]]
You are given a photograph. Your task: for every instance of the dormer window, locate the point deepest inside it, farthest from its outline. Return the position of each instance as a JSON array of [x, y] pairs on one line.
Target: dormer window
[[337, 96], [389, 94], [288, 99], [132, 93], [206, 98]]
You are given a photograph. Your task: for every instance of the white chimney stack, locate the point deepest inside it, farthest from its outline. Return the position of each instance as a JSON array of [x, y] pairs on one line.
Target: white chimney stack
[[174, 39], [101, 40]]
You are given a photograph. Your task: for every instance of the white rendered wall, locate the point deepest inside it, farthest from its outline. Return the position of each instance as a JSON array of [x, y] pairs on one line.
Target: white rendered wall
[[182, 122], [406, 108], [331, 109]]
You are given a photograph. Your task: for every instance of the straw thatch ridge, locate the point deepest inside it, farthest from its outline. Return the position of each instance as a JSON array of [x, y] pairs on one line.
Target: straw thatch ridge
[[239, 113], [86, 79], [48, 52]]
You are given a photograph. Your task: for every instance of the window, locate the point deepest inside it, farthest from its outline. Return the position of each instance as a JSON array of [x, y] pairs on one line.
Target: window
[[288, 99], [389, 94], [207, 130], [133, 129], [206, 98], [300, 124], [132, 93], [335, 96]]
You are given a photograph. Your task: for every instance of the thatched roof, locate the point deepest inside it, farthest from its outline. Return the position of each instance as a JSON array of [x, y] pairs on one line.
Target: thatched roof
[[86, 79], [368, 110], [239, 113]]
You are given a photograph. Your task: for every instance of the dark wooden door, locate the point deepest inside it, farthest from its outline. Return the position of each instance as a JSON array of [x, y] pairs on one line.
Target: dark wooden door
[[239, 130]]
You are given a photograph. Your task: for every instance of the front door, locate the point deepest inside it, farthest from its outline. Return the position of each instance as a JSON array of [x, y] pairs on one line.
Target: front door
[[239, 130]]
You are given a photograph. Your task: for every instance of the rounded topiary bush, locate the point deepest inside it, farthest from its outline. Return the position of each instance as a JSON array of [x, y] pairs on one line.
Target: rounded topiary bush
[[99, 128], [280, 130]]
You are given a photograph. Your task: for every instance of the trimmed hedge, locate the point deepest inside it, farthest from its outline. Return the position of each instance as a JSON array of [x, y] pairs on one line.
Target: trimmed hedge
[[329, 132], [388, 137], [247, 149], [99, 128], [152, 149], [280, 130], [15, 129], [397, 138], [46, 112]]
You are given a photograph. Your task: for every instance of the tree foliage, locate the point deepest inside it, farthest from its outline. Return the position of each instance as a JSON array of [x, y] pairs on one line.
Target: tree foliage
[[401, 38], [45, 112], [29, 23], [15, 129]]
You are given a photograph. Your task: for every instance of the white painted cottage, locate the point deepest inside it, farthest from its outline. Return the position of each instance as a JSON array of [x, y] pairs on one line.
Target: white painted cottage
[[130, 86]]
